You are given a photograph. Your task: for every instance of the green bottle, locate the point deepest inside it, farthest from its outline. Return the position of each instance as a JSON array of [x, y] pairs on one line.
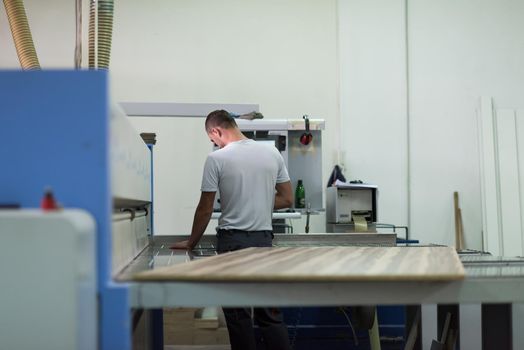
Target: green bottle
[[300, 195]]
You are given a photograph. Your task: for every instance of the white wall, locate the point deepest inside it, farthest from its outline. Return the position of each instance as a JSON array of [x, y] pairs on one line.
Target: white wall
[[373, 100], [284, 55], [458, 51]]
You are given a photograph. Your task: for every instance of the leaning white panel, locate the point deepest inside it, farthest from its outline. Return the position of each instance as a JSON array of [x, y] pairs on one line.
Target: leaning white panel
[[509, 183], [520, 153], [489, 178], [47, 267]]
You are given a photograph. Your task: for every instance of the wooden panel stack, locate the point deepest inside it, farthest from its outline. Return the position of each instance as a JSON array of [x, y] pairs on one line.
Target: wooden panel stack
[[190, 326], [179, 326]]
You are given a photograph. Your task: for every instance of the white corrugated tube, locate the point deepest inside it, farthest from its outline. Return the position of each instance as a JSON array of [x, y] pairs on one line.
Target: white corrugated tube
[[101, 28]]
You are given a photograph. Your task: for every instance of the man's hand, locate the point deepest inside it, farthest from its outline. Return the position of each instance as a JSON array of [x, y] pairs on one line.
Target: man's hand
[[202, 215], [181, 245]]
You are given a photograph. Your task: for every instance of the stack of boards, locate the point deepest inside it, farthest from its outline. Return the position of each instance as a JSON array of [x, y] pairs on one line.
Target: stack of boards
[[194, 326]]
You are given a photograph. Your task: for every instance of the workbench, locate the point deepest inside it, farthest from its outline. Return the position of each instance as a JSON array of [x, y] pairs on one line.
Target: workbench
[[489, 280]]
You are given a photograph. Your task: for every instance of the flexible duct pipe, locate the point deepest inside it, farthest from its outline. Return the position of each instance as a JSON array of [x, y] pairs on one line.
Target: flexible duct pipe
[[25, 48], [78, 38], [105, 32], [92, 35]]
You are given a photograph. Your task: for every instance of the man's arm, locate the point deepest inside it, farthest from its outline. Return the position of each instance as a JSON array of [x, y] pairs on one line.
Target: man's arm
[[284, 195], [202, 216]]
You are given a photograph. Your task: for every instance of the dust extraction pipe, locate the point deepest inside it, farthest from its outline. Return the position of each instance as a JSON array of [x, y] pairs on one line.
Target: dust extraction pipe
[[78, 38], [25, 48], [102, 31], [92, 35], [105, 32]]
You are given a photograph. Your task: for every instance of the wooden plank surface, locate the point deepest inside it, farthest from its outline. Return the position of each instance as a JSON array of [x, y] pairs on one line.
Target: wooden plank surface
[[311, 264]]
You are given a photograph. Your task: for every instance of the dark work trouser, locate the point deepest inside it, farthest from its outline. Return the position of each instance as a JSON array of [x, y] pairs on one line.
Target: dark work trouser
[[269, 320]]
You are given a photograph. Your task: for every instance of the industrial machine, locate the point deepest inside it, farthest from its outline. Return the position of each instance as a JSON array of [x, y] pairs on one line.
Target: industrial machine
[[59, 130], [47, 265], [351, 207]]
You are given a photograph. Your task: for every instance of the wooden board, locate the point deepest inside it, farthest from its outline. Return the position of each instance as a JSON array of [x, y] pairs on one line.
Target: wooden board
[[322, 264]]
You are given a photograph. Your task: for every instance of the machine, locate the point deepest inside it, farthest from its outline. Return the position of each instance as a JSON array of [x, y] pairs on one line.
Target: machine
[[60, 131], [47, 264], [351, 207]]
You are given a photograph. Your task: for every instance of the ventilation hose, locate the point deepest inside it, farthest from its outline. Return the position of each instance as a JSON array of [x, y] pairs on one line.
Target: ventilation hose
[[105, 32], [25, 48], [92, 35], [78, 38]]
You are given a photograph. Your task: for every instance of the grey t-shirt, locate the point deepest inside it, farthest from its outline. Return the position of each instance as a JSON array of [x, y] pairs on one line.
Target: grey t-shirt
[[245, 174]]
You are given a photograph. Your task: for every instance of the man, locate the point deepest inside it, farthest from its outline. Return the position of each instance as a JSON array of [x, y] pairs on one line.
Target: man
[[252, 181]]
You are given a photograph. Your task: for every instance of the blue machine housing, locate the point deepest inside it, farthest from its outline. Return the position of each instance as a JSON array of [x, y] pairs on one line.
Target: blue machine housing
[[54, 127]]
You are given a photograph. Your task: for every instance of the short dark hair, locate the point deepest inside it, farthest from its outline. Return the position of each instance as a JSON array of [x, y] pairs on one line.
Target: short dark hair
[[220, 118]]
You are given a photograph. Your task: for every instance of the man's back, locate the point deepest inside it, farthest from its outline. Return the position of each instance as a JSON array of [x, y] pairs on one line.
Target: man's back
[[245, 174]]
